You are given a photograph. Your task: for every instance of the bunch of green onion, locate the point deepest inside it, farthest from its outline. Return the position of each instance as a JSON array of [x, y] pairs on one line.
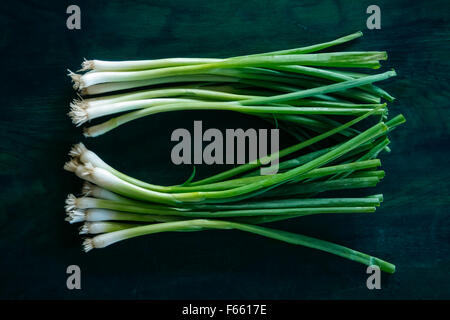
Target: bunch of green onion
[[302, 92]]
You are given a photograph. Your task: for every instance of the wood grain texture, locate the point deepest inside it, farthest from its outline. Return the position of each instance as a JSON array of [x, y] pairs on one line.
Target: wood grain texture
[[411, 229]]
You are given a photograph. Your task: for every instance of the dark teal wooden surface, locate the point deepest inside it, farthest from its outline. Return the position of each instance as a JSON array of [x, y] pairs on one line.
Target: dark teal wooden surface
[[411, 229]]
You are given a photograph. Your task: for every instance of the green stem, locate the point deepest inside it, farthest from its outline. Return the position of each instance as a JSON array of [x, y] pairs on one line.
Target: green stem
[[297, 82], [233, 183], [321, 90], [294, 203], [322, 186], [315, 47], [284, 177], [334, 76]]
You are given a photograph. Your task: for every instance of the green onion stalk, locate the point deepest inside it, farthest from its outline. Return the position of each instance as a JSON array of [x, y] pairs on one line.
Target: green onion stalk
[[106, 239]]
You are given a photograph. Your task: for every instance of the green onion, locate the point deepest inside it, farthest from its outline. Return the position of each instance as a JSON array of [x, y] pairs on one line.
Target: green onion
[[301, 91], [107, 239]]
